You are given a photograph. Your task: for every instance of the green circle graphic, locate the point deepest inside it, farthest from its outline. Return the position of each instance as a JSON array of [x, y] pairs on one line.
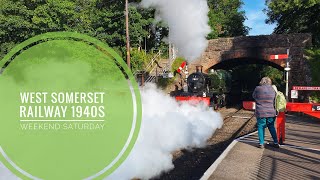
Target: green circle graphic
[[70, 108]]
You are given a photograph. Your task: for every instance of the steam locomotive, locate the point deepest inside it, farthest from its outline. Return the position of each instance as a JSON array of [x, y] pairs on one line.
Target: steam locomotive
[[210, 89]]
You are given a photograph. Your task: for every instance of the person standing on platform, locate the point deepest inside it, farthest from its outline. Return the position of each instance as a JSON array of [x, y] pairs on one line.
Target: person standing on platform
[[264, 96], [280, 105]]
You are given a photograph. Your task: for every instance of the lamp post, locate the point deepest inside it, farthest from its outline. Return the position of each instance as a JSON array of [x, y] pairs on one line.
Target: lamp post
[[287, 69]]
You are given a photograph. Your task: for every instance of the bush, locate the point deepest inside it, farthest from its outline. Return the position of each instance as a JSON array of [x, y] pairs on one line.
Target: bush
[[313, 56], [163, 83], [276, 76], [176, 64], [138, 60]]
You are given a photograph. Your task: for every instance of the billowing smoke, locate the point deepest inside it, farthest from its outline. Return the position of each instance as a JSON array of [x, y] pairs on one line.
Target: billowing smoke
[[187, 21], [166, 127]]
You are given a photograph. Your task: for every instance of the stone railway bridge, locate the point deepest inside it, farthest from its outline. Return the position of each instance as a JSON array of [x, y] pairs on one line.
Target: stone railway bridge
[[225, 53]]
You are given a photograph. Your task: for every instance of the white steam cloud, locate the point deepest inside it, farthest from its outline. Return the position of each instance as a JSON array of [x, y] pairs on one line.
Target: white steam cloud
[[166, 127], [187, 21]]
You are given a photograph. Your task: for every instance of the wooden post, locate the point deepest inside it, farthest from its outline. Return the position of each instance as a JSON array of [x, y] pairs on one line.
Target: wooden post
[[127, 35], [156, 74], [142, 78]]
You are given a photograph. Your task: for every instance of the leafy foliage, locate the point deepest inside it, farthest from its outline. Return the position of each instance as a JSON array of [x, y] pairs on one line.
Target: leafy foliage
[[314, 61], [295, 16], [103, 19], [225, 19], [249, 76], [275, 75], [220, 81], [176, 64], [139, 59], [163, 83]]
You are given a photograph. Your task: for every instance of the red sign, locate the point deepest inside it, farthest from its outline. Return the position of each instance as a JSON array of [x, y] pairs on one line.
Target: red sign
[[306, 88], [279, 56], [184, 63]]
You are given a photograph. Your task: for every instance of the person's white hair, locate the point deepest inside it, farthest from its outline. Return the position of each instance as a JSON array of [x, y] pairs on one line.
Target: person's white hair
[[265, 81]]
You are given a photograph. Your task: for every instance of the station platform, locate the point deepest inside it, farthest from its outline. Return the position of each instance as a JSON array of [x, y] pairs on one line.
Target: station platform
[[298, 158]]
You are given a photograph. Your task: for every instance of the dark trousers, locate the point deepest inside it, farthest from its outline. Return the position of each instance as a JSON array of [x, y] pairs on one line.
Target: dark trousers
[[262, 124]]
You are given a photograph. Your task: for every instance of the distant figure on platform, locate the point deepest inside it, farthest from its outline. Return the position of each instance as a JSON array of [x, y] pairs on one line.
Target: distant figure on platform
[[265, 112]]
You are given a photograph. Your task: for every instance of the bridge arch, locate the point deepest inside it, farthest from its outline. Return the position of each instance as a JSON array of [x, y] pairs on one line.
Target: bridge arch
[[257, 49]]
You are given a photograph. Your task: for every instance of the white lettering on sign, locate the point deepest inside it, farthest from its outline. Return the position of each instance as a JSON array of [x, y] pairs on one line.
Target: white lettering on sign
[[306, 88]]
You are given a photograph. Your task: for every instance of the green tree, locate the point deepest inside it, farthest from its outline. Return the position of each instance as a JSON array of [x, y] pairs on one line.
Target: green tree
[[275, 75], [20, 20], [249, 76], [109, 24], [314, 61], [226, 19], [103, 19], [139, 59], [220, 81], [295, 16]]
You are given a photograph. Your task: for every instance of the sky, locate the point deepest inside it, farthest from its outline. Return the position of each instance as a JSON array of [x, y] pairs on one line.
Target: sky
[[256, 17]]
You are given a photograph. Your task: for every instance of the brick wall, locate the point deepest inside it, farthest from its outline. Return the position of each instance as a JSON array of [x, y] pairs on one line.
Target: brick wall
[[259, 48]]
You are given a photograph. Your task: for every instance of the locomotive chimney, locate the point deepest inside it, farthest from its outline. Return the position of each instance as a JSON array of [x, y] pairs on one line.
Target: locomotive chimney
[[199, 68]]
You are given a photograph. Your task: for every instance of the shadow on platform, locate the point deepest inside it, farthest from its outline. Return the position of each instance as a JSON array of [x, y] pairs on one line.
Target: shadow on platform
[[298, 158]]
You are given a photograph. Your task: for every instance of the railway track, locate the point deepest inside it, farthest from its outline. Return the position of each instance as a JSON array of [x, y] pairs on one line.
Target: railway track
[[192, 164]]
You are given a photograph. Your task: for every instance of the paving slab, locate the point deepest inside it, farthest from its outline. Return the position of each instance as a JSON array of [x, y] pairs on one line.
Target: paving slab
[[298, 158]]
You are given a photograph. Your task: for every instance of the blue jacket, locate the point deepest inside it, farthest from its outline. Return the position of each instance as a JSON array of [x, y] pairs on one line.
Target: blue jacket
[[264, 97]]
